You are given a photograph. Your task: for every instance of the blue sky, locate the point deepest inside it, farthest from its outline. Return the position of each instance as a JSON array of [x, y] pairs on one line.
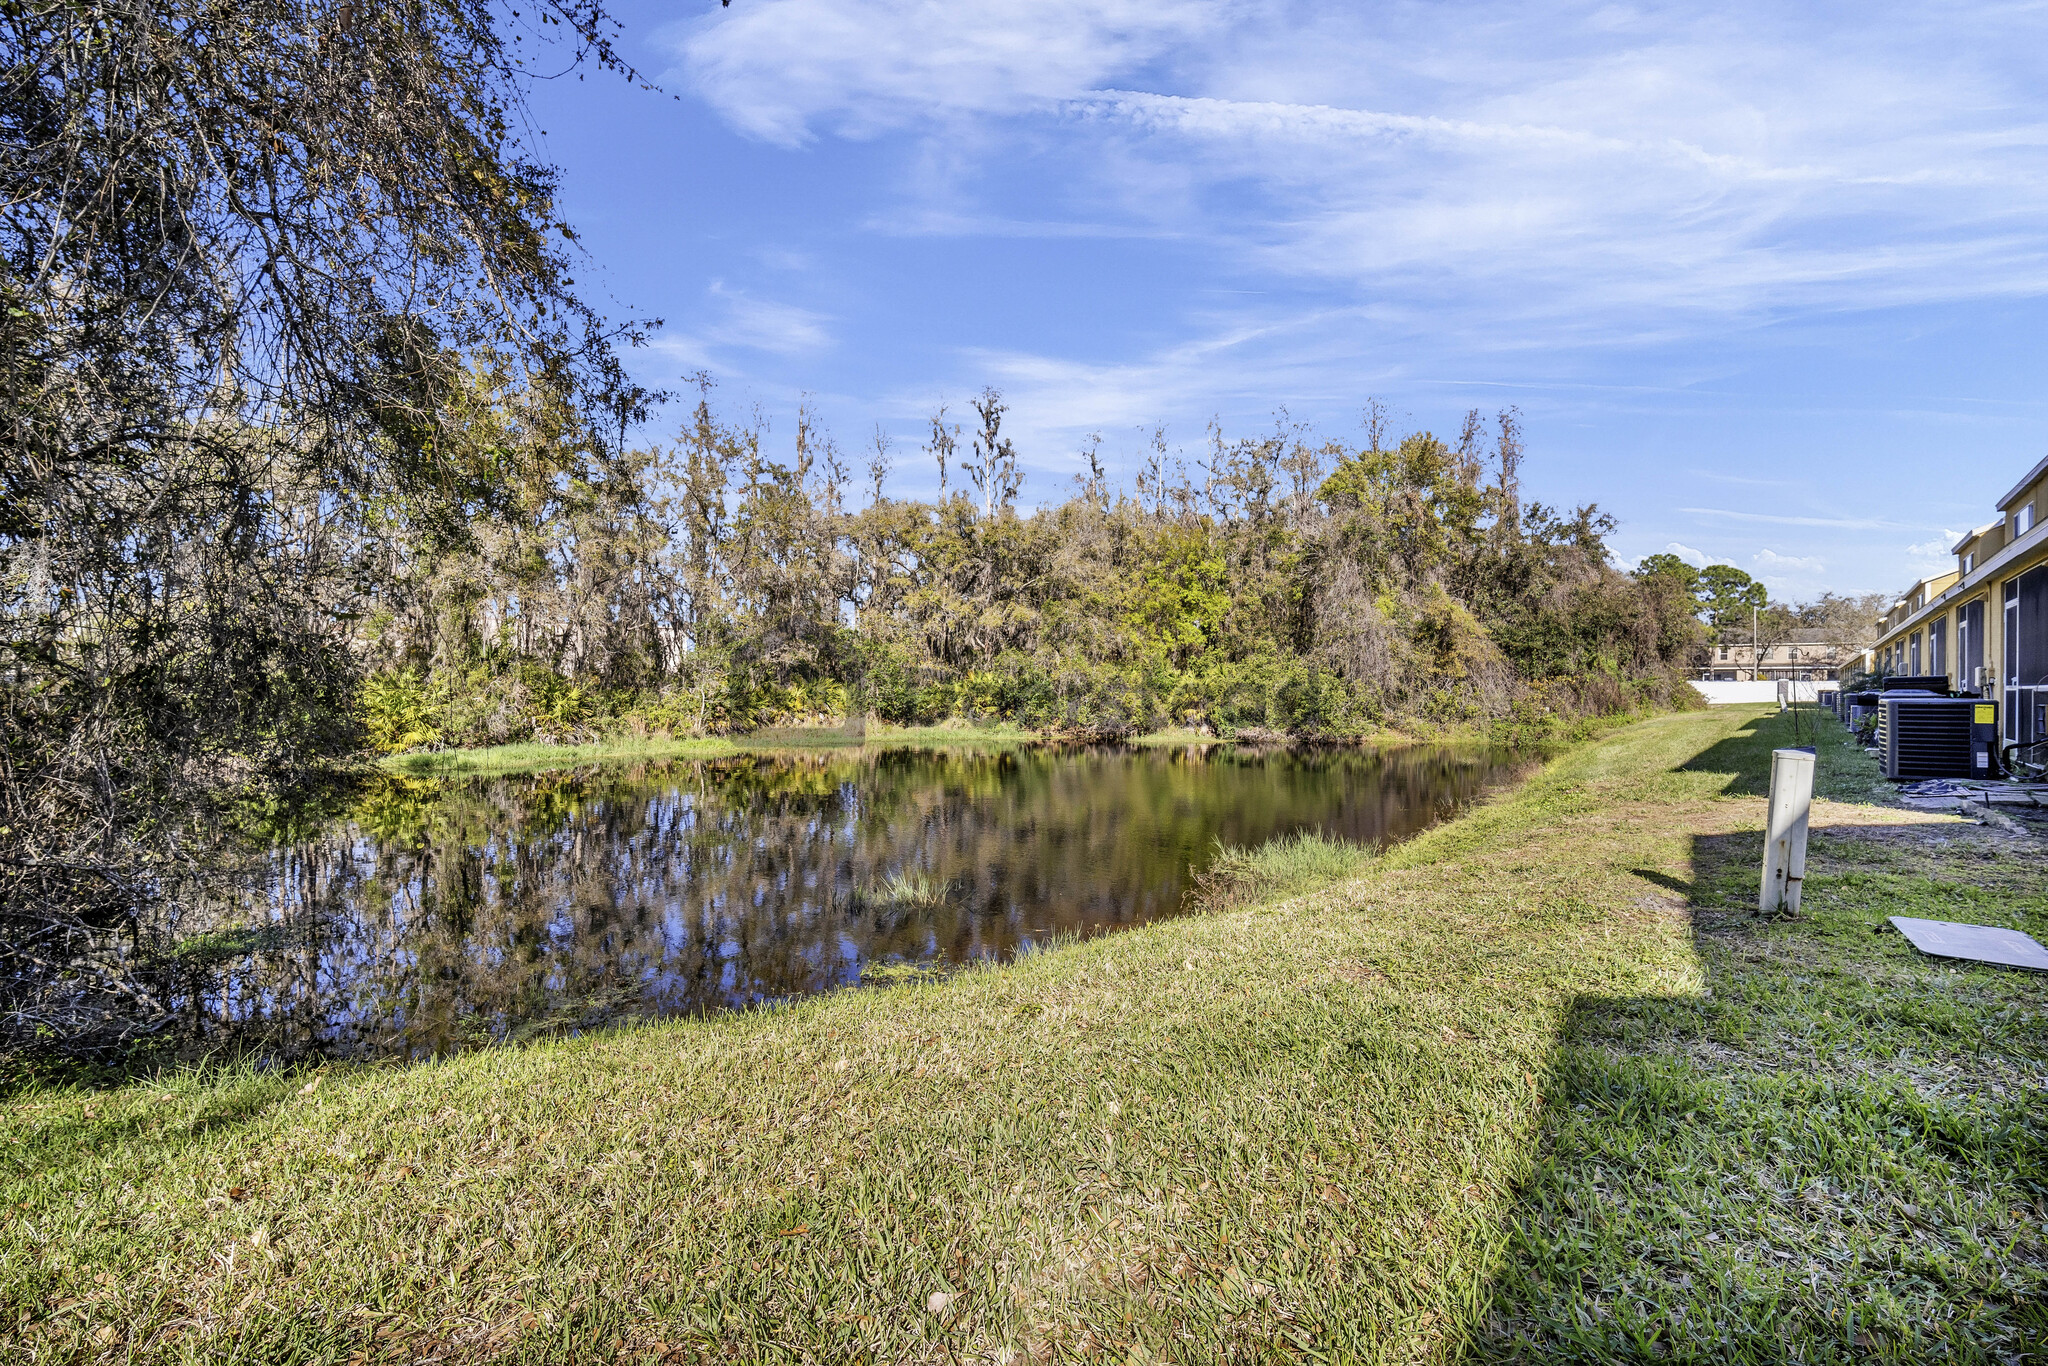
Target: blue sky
[[1767, 282]]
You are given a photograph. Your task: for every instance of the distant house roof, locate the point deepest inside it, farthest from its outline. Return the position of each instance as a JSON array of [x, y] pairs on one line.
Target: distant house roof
[[1803, 635]]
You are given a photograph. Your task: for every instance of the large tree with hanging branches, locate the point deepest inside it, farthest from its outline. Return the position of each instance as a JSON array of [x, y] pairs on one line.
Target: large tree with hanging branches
[[246, 250]]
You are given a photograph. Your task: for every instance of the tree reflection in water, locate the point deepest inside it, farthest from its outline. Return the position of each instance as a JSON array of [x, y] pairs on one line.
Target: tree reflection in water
[[448, 914]]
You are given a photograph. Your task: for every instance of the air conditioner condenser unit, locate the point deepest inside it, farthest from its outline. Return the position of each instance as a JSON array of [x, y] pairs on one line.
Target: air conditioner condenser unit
[[1938, 737]]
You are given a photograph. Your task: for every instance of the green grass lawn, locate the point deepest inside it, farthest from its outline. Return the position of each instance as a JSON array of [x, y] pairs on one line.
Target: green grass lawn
[[1534, 1086], [1831, 1151]]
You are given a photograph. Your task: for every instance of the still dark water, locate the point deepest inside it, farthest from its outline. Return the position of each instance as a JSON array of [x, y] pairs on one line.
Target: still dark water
[[449, 914]]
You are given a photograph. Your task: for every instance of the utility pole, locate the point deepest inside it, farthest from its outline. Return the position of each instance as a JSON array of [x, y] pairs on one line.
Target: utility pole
[[1756, 660]]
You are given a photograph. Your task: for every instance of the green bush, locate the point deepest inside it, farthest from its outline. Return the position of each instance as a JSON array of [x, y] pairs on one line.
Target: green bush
[[397, 712]]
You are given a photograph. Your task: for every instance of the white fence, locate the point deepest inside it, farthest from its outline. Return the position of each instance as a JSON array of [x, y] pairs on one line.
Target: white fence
[[1721, 694]]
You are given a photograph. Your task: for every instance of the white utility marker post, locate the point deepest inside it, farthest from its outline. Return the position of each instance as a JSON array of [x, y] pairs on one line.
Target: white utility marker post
[[1785, 830]]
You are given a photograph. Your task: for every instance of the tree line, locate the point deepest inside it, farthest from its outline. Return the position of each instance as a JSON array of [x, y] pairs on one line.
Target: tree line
[[1738, 610], [1276, 584]]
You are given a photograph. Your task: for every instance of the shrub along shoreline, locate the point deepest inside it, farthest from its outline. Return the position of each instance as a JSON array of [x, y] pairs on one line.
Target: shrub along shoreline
[[1535, 1084]]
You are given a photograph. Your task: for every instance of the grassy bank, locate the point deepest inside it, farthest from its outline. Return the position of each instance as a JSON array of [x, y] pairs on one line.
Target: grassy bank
[[521, 758], [1532, 1086]]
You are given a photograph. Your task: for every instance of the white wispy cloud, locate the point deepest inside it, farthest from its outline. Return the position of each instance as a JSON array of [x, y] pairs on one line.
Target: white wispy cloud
[[1778, 519], [1770, 561], [1698, 559], [1937, 553], [1597, 168], [765, 325], [738, 321], [781, 69], [1720, 477]]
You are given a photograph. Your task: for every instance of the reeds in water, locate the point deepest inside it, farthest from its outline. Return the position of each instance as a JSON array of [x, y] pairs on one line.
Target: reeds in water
[[908, 889], [1280, 867]]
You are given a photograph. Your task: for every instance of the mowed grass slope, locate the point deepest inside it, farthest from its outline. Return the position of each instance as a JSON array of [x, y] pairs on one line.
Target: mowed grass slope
[[1425, 1113]]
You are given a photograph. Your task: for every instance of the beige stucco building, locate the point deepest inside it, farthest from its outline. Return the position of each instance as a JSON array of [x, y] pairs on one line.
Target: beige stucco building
[[1806, 654]]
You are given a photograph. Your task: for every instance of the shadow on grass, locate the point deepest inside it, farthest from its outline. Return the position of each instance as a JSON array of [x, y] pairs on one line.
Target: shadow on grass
[[1836, 1152], [1844, 774], [80, 1138], [1679, 885]]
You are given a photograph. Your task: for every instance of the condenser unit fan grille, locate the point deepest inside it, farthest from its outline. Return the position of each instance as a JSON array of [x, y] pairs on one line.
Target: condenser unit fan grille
[[1929, 738]]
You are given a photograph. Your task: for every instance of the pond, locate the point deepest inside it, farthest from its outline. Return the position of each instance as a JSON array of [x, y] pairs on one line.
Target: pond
[[451, 913]]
